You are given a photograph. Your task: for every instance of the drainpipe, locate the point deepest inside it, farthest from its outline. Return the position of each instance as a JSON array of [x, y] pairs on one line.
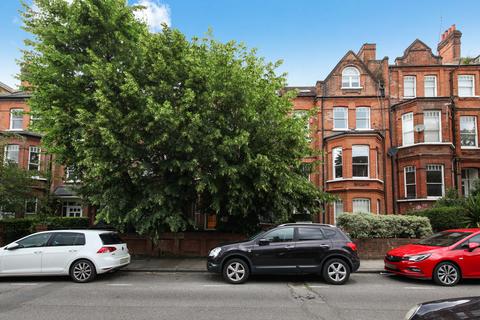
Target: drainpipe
[[454, 128], [393, 157], [324, 182]]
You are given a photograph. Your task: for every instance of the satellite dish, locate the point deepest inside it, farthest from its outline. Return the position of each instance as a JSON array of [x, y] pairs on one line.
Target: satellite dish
[[419, 128]]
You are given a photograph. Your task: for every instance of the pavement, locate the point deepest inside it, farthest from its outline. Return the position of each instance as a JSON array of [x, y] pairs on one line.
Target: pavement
[[205, 296], [199, 265]]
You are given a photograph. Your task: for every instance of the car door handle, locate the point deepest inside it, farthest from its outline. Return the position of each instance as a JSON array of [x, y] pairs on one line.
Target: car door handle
[[37, 252], [290, 246], [72, 250], [326, 246]]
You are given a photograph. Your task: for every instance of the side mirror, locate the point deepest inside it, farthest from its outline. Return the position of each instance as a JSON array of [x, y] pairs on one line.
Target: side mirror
[[263, 242], [13, 246], [473, 245]]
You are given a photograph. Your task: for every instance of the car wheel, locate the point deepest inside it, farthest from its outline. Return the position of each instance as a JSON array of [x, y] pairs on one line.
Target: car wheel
[[446, 274], [82, 271], [336, 271], [236, 271]]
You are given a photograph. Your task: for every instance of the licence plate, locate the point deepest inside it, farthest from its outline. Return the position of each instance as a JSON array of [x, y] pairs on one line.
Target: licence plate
[[390, 266], [124, 260]]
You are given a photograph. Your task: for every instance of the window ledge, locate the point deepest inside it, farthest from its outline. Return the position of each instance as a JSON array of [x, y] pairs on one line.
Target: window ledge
[[469, 148], [367, 129], [14, 130], [408, 98], [352, 88], [354, 179], [426, 144], [339, 129], [39, 178], [419, 199]]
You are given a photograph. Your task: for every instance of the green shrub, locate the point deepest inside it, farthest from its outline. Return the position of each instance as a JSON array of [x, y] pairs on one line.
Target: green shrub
[[55, 223], [16, 228], [443, 218], [365, 225]]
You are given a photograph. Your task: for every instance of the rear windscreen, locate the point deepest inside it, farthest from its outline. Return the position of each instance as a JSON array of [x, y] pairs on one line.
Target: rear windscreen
[[110, 238]]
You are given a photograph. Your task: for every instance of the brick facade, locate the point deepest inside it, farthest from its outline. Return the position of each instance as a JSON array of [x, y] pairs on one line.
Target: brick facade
[[47, 176], [420, 89]]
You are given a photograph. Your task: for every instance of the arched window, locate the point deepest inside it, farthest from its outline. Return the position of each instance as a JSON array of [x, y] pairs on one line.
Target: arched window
[[350, 78]]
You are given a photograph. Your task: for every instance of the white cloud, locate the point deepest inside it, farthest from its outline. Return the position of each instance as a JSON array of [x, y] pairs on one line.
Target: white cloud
[[154, 14]]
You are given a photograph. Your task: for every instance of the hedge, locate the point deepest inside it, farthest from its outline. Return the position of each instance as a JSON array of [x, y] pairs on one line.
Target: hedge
[[15, 228], [365, 225], [443, 218]]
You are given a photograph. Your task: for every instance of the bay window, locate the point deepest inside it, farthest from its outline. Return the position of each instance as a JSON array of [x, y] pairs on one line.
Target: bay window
[[435, 186], [469, 178], [337, 163], [432, 122], [360, 161], [407, 129], [410, 182], [11, 153], [34, 159], [361, 205]]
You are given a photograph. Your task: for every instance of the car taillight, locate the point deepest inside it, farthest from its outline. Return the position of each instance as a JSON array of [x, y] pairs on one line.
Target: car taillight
[[106, 249], [352, 246]]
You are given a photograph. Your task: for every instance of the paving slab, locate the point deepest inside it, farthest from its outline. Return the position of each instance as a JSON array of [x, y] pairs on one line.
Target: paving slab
[[199, 265]]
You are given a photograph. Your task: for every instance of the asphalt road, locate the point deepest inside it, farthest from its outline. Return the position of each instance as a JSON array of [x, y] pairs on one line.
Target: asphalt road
[[127, 295]]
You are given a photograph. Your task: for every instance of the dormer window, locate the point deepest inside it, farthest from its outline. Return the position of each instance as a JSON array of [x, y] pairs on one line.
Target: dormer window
[[350, 78]]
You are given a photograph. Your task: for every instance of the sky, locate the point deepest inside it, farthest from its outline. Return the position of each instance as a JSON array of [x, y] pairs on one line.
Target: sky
[[309, 36]]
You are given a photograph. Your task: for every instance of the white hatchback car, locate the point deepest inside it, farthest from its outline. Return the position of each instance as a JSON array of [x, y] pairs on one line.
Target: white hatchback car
[[82, 254]]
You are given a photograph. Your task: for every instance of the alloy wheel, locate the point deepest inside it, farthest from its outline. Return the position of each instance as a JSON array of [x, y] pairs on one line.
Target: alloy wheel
[[235, 271], [82, 271], [337, 271], [447, 274]]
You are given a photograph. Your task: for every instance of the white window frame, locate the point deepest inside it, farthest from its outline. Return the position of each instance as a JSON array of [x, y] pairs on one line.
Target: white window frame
[[439, 128], [349, 79], [71, 205], [378, 206], [336, 212], [468, 181], [334, 151], [407, 117], [472, 80], [13, 115], [7, 151], [476, 132], [361, 200], [368, 118], [435, 166], [346, 118], [360, 146], [36, 207], [409, 169], [30, 149], [434, 85], [405, 78]]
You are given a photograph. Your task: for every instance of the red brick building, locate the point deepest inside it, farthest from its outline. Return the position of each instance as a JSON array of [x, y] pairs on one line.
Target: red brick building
[[22, 146], [395, 137]]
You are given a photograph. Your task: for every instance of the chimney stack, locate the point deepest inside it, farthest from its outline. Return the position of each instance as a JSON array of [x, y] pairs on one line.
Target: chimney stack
[[450, 45], [368, 52]]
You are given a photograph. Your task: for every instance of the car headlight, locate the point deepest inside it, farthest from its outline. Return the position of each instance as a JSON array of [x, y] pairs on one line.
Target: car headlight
[[412, 312], [418, 257], [214, 252]]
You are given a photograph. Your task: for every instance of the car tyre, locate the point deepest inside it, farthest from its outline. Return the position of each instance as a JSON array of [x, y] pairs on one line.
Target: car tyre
[[336, 271], [236, 271], [82, 271], [446, 274]]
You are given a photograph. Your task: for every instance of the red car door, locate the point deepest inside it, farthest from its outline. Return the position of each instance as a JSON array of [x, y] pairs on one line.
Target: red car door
[[471, 259]]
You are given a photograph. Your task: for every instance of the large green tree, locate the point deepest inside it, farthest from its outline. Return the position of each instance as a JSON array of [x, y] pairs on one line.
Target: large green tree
[[154, 123]]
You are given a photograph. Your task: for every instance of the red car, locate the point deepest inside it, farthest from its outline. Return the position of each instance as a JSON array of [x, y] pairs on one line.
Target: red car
[[446, 257]]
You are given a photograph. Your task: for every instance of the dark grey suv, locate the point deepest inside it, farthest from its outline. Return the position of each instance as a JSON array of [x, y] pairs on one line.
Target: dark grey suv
[[297, 248]]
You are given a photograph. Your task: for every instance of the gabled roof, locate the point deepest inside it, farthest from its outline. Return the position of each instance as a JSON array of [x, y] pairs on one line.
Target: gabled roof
[[417, 45], [6, 88], [16, 95], [364, 66], [303, 91]]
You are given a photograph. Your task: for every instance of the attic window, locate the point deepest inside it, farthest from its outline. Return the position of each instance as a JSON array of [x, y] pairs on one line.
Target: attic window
[[350, 78]]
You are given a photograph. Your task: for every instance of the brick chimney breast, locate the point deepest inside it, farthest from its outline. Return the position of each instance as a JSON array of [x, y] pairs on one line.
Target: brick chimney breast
[[368, 52], [449, 47]]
